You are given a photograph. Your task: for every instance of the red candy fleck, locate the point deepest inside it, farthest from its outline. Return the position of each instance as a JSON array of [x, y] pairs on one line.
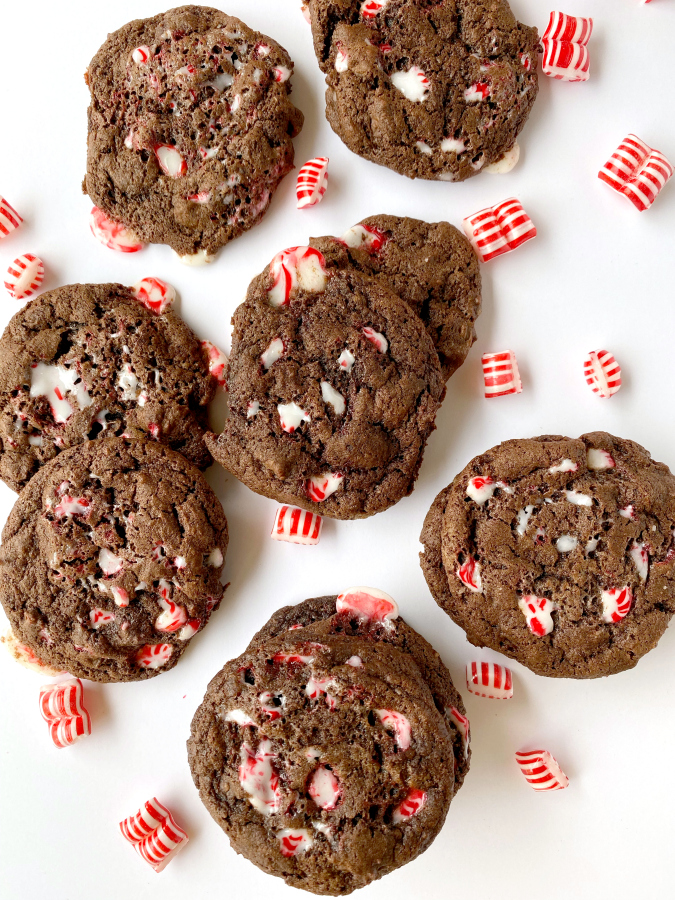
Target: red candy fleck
[[170, 161], [469, 574], [616, 604], [217, 362], [324, 788], [297, 268], [537, 612]]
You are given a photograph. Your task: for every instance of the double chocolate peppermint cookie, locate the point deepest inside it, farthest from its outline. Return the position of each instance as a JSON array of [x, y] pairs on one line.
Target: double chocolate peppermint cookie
[[557, 552], [190, 128], [321, 751], [334, 385], [88, 361], [431, 90], [429, 265], [111, 560]]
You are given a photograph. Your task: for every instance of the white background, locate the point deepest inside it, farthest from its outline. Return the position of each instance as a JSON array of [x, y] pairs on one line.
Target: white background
[[599, 275]]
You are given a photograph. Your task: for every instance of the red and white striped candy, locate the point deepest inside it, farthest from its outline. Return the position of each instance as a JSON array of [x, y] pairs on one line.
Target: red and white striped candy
[[413, 803], [324, 788], [370, 8], [141, 55], [293, 841], [100, 617], [62, 707], [469, 574], [462, 724], [154, 294], [320, 487], [24, 276], [396, 722], [376, 338], [217, 362], [297, 526], [9, 218], [111, 234], [312, 182], [541, 770], [498, 229], [602, 373], [637, 172], [616, 604], [368, 603], [565, 44], [155, 834], [366, 236], [259, 778], [500, 374], [153, 656], [296, 268], [489, 680], [537, 612], [170, 161]]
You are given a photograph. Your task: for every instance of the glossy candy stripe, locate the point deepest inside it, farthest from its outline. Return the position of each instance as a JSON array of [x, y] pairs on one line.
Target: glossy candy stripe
[[500, 374], [499, 229], [312, 182], [155, 834], [297, 526], [637, 172], [9, 218], [62, 707], [489, 680], [24, 276], [541, 770], [565, 44], [602, 373]]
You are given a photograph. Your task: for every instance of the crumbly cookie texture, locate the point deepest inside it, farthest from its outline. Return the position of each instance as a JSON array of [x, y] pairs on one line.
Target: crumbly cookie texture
[[324, 758], [557, 552], [429, 265], [334, 385], [88, 361], [111, 560], [431, 90], [190, 128]]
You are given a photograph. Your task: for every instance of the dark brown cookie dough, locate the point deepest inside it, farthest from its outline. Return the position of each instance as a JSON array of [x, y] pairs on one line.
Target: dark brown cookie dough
[[431, 266], [321, 611], [190, 127], [111, 560], [348, 366], [563, 559], [326, 763], [431, 90], [119, 368]]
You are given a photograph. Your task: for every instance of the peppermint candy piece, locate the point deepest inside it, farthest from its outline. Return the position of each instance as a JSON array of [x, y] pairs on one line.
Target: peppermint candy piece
[[324, 788], [637, 172], [639, 553], [23, 654], [291, 416], [599, 459], [111, 234], [24, 276], [368, 237], [414, 802], [616, 604], [469, 574], [499, 229], [62, 707], [259, 778], [368, 604], [9, 218], [217, 363], [296, 526], [500, 374], [508, 162], [153, 656], [541, 770], [396, 722], [602, 373], [565, 44], [320, 687], [293, 841], [537, 612], [489, 680], [481, 488], [376, 338], [298, 268], [461, 723], [170, 161], [477, 92], [141, 55], [341, 61], [312, 182], [100, 617], [320, 487], [370, 8], [567, 465], [274, 352], [413, 84], [154, 834], [154, 294]]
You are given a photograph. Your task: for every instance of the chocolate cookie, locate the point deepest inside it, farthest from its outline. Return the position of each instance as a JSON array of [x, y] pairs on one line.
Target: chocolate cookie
[[322, 611], [190, 128], [333, 384], [557, 552], [88, 361], [324, 759], [431, 90], [111, 560], [430, 265]]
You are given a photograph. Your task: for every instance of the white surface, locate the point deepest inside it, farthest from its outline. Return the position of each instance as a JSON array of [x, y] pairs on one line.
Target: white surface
[[599, 275]]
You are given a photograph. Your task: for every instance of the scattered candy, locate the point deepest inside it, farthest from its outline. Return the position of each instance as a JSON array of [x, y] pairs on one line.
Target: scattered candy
[[413, 803], [565, 44], [217, 363], [153, 656], [602, 373], [63, 709], [154, 834], [500, 374], [616, 604], [469, 574], [398, 724], [498, 229], [319, 487], [154, 294], [369, 604], [24, 276], [111, 234], [293, 841], [413, 84], [312, 182], [537, 612], [541, 770], [297, 526], [637, 172], [489, 680], [298, 268], [9, 218], [170, 161]]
